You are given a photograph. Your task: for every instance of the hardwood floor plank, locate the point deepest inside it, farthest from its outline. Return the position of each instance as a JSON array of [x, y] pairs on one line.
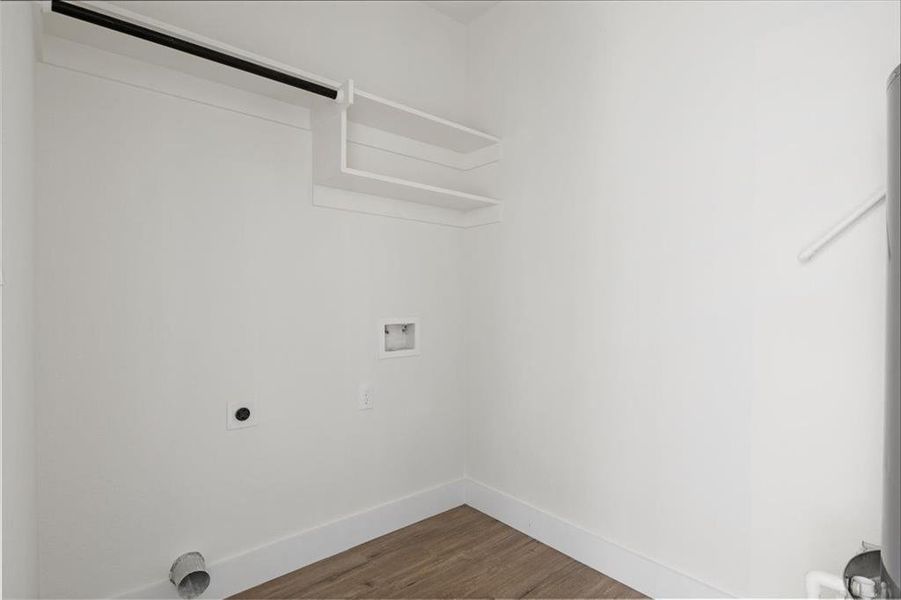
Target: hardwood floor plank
[[461, 553]]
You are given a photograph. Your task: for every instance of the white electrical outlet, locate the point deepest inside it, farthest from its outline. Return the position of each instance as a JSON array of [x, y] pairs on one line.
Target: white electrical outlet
[[239, 415], [365, 396]]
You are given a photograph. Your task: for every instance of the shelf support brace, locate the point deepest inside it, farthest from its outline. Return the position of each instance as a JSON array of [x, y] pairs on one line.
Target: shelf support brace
[[814, 248]]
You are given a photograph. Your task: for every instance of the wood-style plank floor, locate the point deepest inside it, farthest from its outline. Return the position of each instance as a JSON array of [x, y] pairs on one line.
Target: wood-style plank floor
[[461, 553]]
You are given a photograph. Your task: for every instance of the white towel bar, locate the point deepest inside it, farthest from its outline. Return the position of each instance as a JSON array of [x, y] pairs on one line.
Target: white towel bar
[[810, 251]]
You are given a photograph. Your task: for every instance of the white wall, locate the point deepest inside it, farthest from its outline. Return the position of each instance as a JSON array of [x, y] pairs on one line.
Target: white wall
[[404, 51], [16, 106], [644, 356], [181, 265], [652, 363]]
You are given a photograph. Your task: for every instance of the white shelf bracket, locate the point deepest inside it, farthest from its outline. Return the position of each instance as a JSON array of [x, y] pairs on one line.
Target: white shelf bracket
[[824, 240], [346, 94]]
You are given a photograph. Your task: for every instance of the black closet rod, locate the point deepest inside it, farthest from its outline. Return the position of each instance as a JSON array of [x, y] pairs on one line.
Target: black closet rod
[[84, 14]]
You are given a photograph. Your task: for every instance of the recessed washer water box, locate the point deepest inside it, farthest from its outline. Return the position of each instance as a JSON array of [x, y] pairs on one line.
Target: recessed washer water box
[[399, 337]]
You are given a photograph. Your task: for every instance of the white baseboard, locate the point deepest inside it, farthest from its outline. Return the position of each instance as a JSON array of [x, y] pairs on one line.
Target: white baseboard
[[238, 573], [638, 572]]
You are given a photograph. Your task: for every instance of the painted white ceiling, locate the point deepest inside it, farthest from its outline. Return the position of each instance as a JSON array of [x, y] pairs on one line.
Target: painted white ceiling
[[463, 11]]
